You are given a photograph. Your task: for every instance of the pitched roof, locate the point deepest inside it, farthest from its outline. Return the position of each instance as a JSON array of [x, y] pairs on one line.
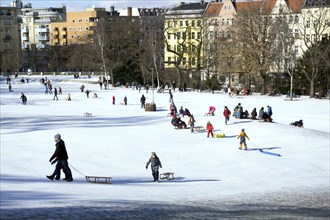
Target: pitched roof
[[296, 5], [245, 7], [213, 9]]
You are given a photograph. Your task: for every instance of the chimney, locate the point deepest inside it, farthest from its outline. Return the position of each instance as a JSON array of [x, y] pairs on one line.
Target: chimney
[[129, 11], [202, 2], [112, 8]]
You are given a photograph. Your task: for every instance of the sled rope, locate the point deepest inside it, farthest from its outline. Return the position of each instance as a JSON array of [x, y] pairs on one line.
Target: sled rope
[[76, 169]]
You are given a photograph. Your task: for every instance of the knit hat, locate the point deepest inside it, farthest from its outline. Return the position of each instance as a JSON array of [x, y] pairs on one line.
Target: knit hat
[[243, 129], [57, 136]]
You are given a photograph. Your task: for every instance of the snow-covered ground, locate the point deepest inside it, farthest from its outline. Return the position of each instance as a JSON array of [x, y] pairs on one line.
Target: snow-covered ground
[[118, 140]]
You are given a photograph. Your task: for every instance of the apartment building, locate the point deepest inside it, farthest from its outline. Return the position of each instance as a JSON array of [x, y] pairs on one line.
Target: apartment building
[[10, 51], [183, 36], [35, 26]]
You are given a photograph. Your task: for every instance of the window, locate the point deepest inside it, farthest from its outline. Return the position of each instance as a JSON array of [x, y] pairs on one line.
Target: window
[[315, 23], [228, 21], [193, 48], [184, 61], [296, 33], [308, 37], [184, 35], [86, 28], [178, 35], [193, 35], [181, 23], [308, 24], [223, 22], [199, 35], [79, 20], [71, 36], [73, 21], [296, 49], [168, 47], [86, 20], [168, 36], [7, 21], [169, 59], [193, 61], [199, 23], [168, 24], [187, 23], [193, 23], [79, 28], [178, 48], [228, 34], [296, 19]]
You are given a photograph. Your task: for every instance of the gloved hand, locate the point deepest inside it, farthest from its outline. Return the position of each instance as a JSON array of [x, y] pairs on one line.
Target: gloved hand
[[146, 168], [50, 160], [53, 162]]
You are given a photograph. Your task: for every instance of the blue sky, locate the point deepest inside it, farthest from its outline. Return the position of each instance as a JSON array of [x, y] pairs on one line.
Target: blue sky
[[79, 5]]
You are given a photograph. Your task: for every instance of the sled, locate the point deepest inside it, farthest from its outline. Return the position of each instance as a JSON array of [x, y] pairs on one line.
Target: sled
[[88, 114], [219, 135], [198, 128], [168, 176], [99, 179], [209, 114]]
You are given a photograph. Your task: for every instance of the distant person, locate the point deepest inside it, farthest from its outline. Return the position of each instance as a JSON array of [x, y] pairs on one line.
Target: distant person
[[269, 111], [261, 114], [87, 93], [211, 110], [113, 100], [191, 122], [68, 98], [24, 99], [242, 136], [236, 109], [209, 128], [55, 94], [125, 100], [95, 95], [61, 157], [254, 114], [59, 90], [82, 87], [155, 165], [9, 87], [226, 113], [299, 123], [171, 96], [143, 101]]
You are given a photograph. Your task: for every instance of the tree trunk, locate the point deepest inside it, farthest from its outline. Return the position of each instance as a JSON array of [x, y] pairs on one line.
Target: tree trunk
[[263, 87], [311, 90]]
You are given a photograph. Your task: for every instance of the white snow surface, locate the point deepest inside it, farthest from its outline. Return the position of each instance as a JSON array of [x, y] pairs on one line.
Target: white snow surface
[[117, 142]]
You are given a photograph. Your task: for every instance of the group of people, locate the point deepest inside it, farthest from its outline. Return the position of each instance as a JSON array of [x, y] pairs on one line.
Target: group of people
[[264, 115]]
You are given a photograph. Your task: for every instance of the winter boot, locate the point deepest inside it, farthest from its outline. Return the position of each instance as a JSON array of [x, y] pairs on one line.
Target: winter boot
[[51, 177], [240, 146], [246, 148]]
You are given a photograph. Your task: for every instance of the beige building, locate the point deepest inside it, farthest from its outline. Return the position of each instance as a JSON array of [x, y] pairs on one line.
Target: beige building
[[76, 26], [10, 51]]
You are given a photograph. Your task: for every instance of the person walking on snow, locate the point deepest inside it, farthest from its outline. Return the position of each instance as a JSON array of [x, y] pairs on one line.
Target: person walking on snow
[[113, 100], [61, 157], [24, 99], [55, 94], [125, 100], [143, 101], [209, 128], [242, 136], [155, 165], [226, 113], [191, 122]]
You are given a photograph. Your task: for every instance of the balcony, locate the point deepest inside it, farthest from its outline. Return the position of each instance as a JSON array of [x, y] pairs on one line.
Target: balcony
[[25, 46], [25, 30], [41, 46], [43, 38], [43, 30]]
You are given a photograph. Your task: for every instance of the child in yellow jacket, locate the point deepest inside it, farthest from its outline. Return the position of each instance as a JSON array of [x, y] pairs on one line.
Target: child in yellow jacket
[[242, 137]]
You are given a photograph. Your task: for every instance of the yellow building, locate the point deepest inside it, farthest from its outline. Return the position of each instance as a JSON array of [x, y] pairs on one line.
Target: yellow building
[[10, 51], [183, 36]]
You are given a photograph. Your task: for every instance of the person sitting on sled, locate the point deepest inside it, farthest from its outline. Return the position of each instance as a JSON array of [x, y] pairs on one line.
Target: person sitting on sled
[[242, 137], [299, 124]]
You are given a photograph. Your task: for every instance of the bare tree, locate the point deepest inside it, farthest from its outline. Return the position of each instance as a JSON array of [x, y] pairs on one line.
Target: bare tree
[[255, 33], [313, 28]]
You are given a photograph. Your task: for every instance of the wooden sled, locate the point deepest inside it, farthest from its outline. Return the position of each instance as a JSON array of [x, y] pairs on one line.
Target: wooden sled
[[209, 114], [98, 179], [88, 114], [168, 176], [199, 128]]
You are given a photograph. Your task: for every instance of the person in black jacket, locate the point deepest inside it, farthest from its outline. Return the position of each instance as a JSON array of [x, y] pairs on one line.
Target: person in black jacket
[[155, 164], [61, 157]]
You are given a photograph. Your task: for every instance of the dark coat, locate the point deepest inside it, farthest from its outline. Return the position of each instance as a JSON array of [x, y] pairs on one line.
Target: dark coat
[[155, 163], [60, 151]]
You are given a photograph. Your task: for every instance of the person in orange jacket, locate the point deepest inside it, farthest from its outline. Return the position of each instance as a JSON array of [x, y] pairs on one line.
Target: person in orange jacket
[[242, 137], [209, 128]]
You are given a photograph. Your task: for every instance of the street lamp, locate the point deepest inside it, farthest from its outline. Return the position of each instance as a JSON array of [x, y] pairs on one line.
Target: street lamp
[[289, 67], [152, 84]]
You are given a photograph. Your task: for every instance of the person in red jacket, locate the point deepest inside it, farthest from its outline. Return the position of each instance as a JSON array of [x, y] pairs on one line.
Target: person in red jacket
[[209, 128], [226, 113]]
